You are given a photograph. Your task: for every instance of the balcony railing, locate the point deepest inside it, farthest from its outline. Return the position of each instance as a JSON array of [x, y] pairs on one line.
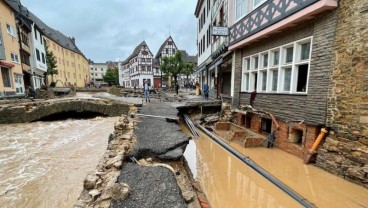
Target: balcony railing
[[264, 16]]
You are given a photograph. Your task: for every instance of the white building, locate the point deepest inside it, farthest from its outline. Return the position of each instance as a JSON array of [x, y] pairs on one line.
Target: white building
[[97, 71], [137, 68], [167, 49], [203, 13], [37, 58]]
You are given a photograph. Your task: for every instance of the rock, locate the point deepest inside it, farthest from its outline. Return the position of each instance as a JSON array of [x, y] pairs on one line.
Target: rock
[[173, 154], [90, 182], [332, 142], [85, 197], [118, 164], [150, 187], [363, 141], [188, 196], [94, 193], [79, 204], [355, 173], [211, 119], [119, 191]]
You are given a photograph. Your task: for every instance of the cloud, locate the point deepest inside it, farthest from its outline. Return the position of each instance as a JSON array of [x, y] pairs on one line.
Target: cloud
[[106, 30]]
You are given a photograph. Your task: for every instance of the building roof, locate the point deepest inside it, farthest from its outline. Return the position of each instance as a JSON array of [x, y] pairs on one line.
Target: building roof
[[135, 51], [198, 8], [163, 46], [188, 58], [55, 35]]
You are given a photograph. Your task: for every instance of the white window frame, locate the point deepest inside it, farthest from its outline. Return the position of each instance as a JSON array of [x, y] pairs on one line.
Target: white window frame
[[10, 29], [14, 57], [249, 69]]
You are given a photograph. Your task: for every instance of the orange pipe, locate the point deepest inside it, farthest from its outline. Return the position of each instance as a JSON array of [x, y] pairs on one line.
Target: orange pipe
[[274, 121], [316, 143]]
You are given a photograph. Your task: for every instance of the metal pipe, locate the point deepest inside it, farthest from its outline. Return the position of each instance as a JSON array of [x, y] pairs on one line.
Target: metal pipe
[[190, 125], [258, 169]]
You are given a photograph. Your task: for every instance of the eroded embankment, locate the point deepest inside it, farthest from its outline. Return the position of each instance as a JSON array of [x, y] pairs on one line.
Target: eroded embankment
[[142, 166]]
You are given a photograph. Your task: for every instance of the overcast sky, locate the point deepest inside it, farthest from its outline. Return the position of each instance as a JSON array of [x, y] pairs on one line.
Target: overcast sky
[[111, 29]]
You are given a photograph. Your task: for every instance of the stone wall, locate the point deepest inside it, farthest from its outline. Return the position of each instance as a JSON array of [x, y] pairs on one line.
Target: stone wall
[[345, 151], [30, 111]]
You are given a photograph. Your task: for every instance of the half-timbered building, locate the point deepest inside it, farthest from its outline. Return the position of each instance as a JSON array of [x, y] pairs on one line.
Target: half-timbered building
[[137, 68], [168, 48]]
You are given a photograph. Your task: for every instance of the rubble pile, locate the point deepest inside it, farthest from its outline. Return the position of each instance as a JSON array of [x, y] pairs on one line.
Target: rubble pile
[[138, 93]]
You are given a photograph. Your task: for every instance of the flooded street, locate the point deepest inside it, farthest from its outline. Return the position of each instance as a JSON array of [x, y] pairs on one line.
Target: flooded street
[[43, 164], [228, 182]]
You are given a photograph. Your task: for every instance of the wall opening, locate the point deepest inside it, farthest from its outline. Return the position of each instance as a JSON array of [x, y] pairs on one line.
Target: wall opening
[[71, 115], [302, 78], [248, 122], [266, 125], [296, 136]]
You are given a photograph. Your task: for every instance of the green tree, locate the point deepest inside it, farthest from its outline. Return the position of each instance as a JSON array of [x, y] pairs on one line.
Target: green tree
[[111, 77], [175, 65], [188, 69], [51, 65]]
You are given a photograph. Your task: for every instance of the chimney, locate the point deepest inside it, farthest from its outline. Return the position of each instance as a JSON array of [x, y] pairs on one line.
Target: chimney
[[73, 39]]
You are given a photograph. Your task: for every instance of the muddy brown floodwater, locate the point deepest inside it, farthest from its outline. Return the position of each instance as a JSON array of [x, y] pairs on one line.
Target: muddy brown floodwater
[[228, 182], [43, 164]]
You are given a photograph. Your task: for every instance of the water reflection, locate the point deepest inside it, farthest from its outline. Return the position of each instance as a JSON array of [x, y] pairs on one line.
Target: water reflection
[[43, 164]]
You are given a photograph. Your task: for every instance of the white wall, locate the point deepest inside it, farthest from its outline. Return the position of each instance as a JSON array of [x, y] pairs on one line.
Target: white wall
[[37, 66], [207, 53]]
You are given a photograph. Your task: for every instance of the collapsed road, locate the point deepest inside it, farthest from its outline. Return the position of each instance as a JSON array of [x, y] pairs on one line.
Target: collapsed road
[[154, 186]]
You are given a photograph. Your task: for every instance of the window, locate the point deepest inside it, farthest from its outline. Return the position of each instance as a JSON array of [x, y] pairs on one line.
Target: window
[[38, 55], [35, 32], [305, 50], [264, 72], [43, 58], [302, 77], [276, 56], [257, 3], [167, 51], [264, 80], [41, 40], [14, 57], [287, 79], [246, 82], [275, 76], [173, 51], [240, 8], [101, 69], [5, 74], [289, 55], [265, 60], [149, 68], [10, 29]]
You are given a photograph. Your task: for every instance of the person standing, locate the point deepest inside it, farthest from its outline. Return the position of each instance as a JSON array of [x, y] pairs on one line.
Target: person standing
[[205, 91], [271, 139], [146, 91]]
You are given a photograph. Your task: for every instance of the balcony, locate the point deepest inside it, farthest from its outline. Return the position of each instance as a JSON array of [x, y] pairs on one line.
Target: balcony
[[273, 16]]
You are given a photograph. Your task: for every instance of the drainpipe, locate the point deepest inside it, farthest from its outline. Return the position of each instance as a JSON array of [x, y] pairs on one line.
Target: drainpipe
[[313, 150], [259, 169]]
